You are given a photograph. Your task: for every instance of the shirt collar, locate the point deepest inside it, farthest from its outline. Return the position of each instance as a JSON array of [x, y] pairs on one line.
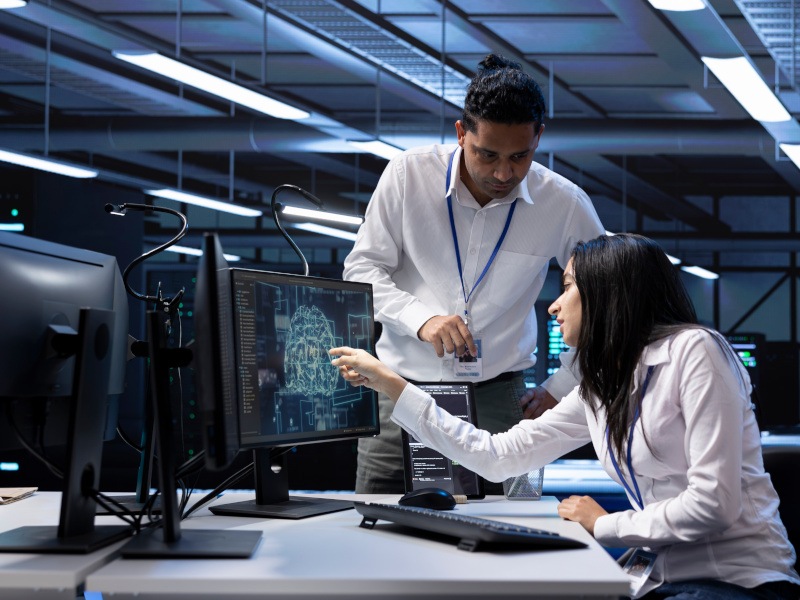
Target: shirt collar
[[521, 191], [657, 353]]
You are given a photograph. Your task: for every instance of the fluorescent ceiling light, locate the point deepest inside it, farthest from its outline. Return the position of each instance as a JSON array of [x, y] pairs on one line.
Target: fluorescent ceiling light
[[316, 228], [793, 152], [47, 164], [212, 84], [700, 272], [6, 4], [321, 215], [749, 89], [199, 252], [12, 227], [377, 147], [678, 5], [219, 205]]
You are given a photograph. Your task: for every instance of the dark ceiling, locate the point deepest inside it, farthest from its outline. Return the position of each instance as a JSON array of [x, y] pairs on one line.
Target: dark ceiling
[[634, 117]]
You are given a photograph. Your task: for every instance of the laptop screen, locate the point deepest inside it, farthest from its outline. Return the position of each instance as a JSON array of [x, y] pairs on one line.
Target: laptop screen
[[424, 467]]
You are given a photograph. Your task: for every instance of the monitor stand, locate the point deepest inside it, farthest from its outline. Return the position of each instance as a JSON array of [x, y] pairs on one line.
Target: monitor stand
[[76, 532], [168, 541], [272, 493]]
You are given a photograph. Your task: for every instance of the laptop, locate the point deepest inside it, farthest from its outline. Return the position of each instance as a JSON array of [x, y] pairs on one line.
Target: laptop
[[424, 467]]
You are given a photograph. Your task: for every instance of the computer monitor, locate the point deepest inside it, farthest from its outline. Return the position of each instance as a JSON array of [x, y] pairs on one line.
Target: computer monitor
[[211, 356], [288, 391], [748, 346], [63, 349]]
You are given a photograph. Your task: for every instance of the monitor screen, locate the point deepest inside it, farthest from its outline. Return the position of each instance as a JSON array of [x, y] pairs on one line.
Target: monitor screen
[[289, 391]]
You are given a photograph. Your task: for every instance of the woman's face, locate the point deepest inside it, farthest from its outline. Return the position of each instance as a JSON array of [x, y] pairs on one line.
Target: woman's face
[[567, 307]]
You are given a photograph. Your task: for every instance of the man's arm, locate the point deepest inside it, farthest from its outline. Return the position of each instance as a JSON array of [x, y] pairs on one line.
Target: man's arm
[[378, 252], [555, 387]]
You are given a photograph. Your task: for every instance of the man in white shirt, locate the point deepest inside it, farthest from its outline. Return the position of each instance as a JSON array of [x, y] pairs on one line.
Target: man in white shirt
[[456, 244]]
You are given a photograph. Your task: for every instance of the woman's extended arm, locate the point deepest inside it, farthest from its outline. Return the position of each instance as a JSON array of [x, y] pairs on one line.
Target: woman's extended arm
[[358, 367]]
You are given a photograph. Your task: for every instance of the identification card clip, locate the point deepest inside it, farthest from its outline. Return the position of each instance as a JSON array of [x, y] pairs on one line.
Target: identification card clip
[[469, 366], [638, 568]]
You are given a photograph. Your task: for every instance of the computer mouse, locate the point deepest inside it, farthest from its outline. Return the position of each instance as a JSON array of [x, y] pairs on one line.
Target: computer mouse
[[429, 497]]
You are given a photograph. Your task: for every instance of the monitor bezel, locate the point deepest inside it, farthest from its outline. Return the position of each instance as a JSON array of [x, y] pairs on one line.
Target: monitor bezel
[[316, 436]]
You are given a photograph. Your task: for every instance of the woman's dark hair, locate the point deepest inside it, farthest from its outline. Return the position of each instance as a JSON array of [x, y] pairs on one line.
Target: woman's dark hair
[[502, 92], [631, 295]]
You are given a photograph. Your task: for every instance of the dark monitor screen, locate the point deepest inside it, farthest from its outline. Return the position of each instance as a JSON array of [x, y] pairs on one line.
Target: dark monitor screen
[[214, 357], [289, 391], [748, 347], [424, 467]]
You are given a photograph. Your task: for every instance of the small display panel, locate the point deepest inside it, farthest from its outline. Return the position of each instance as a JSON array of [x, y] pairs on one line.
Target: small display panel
[[424, 467], [284, 326]]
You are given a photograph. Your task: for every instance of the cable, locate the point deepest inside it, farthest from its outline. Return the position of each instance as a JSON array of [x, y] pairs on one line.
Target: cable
[[37, 453], [121, 512], [240, 474]]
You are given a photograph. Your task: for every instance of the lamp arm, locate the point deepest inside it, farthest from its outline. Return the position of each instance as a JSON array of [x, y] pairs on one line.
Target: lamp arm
[[276, 209], [120, 210]]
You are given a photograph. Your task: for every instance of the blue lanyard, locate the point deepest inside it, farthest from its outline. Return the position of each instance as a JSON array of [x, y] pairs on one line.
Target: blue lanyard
[[455, 240], [638, 496]]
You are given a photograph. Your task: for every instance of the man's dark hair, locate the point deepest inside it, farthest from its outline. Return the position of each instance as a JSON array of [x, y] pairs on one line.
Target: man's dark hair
[[502, 92]]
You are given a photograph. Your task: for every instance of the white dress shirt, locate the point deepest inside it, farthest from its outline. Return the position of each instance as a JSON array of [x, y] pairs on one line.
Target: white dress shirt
[[405, 250], [710, 510]]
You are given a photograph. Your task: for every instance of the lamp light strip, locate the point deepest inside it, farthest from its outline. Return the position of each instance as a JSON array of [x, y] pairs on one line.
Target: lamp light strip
[[321, 215]]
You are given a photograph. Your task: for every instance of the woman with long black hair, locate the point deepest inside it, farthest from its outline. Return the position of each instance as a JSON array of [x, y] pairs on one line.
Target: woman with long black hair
[[665, 403]]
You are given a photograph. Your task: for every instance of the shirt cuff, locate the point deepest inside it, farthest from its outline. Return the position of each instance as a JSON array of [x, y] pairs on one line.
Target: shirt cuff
[[409, 406], [415, 316], [605, 530]]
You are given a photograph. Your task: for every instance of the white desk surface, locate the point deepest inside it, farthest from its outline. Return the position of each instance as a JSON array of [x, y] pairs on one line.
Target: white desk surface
[[46, 576], [330, 556]]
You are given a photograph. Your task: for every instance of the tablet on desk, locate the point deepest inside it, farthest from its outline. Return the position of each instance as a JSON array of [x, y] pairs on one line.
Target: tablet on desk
[[424, 467]]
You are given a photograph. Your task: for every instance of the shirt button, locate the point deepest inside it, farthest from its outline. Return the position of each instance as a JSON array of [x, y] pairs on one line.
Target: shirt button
[[472, 251]]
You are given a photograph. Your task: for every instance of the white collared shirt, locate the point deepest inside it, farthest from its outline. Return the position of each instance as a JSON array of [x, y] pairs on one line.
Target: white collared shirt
[[710, 510], [405, 250]]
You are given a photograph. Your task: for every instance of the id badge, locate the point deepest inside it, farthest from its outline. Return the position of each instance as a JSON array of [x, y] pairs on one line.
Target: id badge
[[638, 568], [469, 366]]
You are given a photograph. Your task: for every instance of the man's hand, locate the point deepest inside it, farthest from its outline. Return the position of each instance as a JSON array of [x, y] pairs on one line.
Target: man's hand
[[581, 509], [448, 334], [535, 402]]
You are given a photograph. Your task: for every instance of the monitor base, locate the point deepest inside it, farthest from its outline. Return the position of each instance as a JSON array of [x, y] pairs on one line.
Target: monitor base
[[295, 507]]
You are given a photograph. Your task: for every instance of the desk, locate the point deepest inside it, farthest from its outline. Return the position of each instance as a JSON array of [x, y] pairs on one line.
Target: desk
[[46, 576], [330, 556]]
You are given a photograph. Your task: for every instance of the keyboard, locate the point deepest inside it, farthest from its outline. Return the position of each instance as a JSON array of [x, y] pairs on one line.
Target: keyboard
[[471, 532]]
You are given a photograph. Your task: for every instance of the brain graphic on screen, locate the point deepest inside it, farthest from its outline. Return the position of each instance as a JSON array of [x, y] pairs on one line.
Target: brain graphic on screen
[[308, 367]]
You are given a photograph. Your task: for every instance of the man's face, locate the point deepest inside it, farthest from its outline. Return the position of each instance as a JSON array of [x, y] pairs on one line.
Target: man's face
[[496, 157]]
